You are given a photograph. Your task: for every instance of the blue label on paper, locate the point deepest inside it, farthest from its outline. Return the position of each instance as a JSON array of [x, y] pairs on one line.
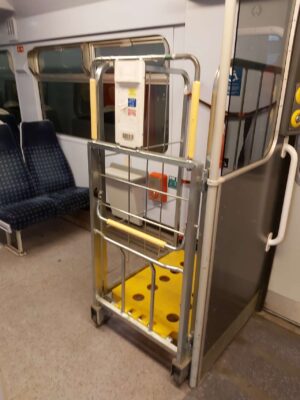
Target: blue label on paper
[[131, 102], [235, 81]]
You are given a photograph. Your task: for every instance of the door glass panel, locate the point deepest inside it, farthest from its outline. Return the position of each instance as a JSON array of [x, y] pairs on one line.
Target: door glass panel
[[255, 81]]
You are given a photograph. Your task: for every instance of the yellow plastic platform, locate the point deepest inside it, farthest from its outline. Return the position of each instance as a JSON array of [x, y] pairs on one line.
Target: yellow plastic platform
[[167, 296]]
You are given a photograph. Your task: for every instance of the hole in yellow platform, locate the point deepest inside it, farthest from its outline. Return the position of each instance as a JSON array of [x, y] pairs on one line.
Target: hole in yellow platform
[[164, 278], [138, 297], [182, 263], [149, 287], [172, 317]]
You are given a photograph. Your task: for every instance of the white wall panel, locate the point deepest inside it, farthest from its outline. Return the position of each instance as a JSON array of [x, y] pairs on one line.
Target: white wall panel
[[99, 17]]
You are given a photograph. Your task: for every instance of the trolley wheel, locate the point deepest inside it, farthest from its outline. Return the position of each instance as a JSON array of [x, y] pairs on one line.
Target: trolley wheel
[[98, 315], [180, 372]]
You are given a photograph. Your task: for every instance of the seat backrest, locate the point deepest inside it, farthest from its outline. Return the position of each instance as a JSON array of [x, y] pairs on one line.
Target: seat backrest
[[44, 157], [15, 184], [11, 121]]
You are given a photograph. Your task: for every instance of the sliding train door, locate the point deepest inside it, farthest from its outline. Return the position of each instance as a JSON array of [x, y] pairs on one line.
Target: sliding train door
[[245, 191]]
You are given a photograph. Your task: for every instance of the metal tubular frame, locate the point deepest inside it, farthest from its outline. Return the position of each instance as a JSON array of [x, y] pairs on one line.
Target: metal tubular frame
[[102, 227]]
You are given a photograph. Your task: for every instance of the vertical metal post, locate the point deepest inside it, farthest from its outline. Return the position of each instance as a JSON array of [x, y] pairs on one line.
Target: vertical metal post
[[152, 296], [212, 195], [19, 242], [123, 280], [183, 356]]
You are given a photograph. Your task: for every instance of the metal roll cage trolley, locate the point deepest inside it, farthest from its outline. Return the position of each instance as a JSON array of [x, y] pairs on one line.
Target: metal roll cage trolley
[[172, 257]]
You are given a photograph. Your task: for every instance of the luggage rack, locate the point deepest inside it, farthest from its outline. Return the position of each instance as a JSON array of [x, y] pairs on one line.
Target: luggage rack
[[146, 275]]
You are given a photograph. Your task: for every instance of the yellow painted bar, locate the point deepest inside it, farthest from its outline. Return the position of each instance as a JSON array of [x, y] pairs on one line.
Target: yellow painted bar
[[193, 120], [93, 105], [135, 232]]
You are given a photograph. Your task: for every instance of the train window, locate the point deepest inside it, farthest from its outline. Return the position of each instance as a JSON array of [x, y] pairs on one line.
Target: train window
[[9, 102], [64, 87], [60, 60], [255, 83]]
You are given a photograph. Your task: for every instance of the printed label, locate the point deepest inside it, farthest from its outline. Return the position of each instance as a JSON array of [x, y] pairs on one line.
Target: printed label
[[131, 102], [172, 182], [131, 112], [235, 81], [132, 92]]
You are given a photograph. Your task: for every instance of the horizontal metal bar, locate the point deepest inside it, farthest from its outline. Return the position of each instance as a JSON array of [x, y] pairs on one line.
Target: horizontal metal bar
[[5, 227], [136, 232], [71, 78], [174, 71], [153, 57], [240, 116], [165, 343], [148, 221], [180, 162], [113, 178], [171, 268], [257, 66]]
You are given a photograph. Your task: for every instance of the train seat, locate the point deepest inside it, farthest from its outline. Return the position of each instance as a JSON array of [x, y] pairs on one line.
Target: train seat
[[49, 168], [19, 205], [11, 121]]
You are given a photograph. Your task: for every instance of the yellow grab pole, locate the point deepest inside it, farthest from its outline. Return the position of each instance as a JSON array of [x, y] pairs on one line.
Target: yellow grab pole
[[137, 233], [93, 105], [193, 119]]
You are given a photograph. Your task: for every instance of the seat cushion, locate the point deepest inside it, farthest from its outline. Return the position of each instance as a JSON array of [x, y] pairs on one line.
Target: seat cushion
[[28, 212], [71, 199]]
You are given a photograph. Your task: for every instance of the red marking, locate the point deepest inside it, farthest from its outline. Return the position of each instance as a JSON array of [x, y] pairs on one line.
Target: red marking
[[185, 181], [20, 49], [131, 112]]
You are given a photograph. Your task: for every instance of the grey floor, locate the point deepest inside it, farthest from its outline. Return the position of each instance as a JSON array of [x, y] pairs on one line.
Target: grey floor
[[49, 349]]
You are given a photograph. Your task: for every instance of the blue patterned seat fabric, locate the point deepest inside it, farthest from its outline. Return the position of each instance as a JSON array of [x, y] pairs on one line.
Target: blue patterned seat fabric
[[28, 212], [19, 205], [49, 168]]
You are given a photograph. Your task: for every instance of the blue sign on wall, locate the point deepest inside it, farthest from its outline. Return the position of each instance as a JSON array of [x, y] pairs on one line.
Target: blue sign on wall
[[235, 81]]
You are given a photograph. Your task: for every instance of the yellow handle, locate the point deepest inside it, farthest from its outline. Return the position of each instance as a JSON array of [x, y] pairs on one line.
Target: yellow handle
[[137, 233], [93, 105], [194, 110]]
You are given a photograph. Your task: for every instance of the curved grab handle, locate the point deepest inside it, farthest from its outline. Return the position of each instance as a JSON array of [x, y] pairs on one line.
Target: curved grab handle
[[287, 148]]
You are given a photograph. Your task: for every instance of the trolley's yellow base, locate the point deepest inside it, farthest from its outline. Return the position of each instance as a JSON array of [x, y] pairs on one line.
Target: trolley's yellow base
[[167, 296]]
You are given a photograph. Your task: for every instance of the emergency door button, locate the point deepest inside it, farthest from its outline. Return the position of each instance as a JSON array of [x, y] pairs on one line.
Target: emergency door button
[[295, 119], [297, 96]]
